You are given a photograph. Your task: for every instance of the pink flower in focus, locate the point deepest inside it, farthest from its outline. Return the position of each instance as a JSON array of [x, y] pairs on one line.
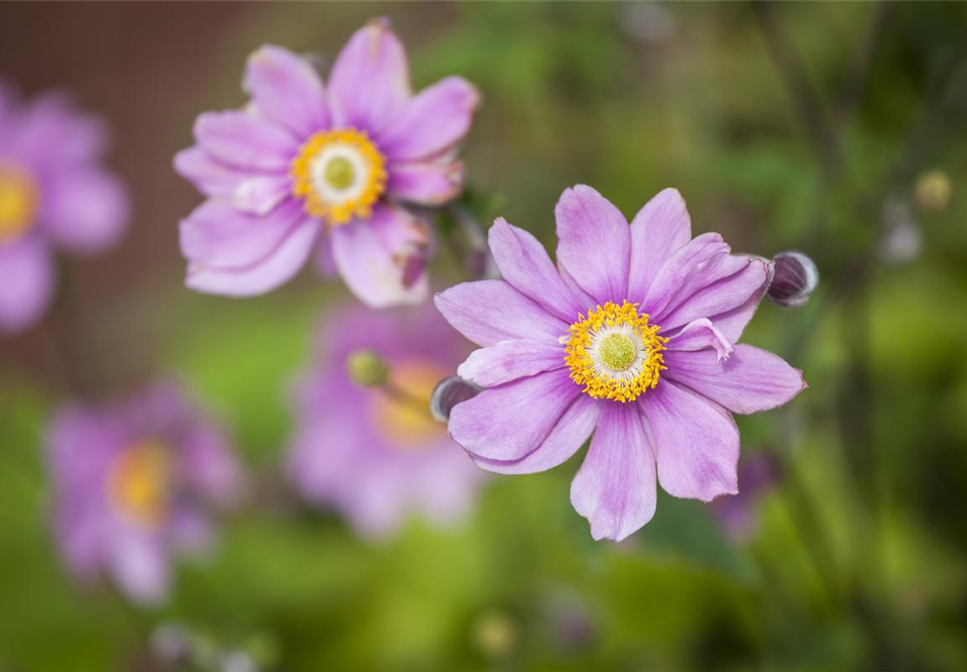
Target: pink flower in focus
[[330, 168], [375, 453], [54, 196], [632, 338], [133, 486]]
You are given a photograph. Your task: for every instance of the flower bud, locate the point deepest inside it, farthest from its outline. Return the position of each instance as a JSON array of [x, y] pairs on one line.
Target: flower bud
[[448, 393], [933, 191], [794, 279], [367, 369]]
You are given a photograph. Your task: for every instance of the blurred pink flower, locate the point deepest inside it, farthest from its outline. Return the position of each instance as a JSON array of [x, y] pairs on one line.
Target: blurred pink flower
[[376, 454], [307, 166], [133, 485], [738, 515], [54, 195], [632, 337]]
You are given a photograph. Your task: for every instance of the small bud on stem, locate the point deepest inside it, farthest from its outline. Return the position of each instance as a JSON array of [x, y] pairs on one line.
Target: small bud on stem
[[448, 393], [795, 278]]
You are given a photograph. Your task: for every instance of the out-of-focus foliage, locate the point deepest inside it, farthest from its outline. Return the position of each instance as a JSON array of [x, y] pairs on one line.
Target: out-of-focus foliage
[[860, 561]]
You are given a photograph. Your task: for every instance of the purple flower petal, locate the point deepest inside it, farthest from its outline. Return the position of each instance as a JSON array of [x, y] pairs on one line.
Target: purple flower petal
[[279, 266], [52, 134], [209, 176], [670, 281], [432, 122], [523, 262], [721, 296], [372, 257], [85, 210], [660, 228], [243, 140], [489, 311], [615, 487], [696, 442], [287, 90], [509, 360], [370, 80], [217, 235], [512, 420], [733, 322], [26, 283], [432, 183], [751, 380], [139, 562], [260, 195], [594, 243], [568, 435], [699, 335]]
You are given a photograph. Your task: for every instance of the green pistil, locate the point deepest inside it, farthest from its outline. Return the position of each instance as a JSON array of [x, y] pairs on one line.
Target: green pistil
[[340, 173], [617, 352]]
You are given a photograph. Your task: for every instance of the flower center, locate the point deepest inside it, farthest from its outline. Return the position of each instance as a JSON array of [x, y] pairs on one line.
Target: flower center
[[401, 411], [614, 353], [18, 202], [140, 482], [340, 175]]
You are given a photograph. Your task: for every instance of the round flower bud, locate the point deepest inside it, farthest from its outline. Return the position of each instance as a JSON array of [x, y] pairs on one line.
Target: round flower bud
[[933, 191], [448, 393], [367, 369], [794, 279]]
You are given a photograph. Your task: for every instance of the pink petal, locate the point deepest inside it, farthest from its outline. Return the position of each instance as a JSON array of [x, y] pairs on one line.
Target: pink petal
[[670, 281], [509, 360], [749, 381], [523, 262], [281, 264], [140, 565], [287, 90], [696, 442], [433, 121], [699, 335], [86, 210], [721, 296], [512, 420], [370, 80], [594, 243], [615, 487], [243, 140], [26, 283], [218, 235], [260, 195], [733, 322], [489, 311], [209, 176], [710, 270], [52, 134], [432, 183], [372, 257], [568, 435], [657, 231]]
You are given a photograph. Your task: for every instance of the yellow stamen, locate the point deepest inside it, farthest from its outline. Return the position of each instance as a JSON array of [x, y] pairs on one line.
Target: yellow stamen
[[340, 175], [614, 353], [18, 202], [404, 418], [140, 482]]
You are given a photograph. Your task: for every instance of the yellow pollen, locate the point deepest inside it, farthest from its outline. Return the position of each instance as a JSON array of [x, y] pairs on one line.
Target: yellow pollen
[[340, 175], [18, 202], [406, 423], [140, 482], [614, 353]]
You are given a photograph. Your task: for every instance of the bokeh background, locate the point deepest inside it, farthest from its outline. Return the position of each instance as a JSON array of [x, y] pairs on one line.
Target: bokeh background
[[805, 126]]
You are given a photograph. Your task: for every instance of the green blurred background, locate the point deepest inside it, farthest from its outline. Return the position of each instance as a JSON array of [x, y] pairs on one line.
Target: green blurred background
[[803, 126]]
